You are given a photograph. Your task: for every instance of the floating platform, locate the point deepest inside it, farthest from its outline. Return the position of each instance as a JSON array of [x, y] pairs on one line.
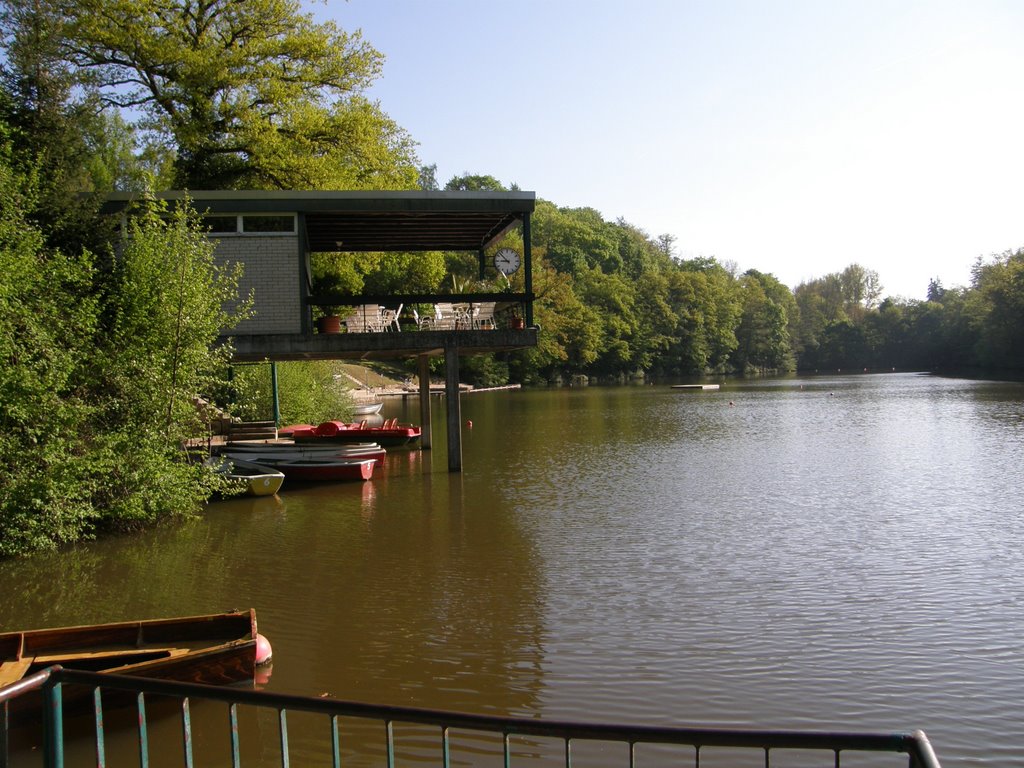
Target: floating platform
[[695, 386]]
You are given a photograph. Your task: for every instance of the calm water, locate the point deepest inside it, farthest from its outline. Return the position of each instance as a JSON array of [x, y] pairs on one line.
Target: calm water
[[835, 553]]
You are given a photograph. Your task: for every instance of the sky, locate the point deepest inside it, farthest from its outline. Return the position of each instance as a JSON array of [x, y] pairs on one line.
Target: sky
[[795, 137]]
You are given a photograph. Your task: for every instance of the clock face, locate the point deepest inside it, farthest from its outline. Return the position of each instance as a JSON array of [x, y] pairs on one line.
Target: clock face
[[506, 261]]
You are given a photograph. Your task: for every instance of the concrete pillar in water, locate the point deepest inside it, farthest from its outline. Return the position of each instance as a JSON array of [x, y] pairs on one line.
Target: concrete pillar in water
[[426, 430], [452, 406]]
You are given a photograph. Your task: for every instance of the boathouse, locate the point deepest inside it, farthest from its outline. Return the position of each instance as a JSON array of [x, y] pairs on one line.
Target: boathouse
[[274, 235]]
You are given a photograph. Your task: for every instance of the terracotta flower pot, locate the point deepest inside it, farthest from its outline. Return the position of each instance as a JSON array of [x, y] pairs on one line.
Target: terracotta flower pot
[[329, 324]]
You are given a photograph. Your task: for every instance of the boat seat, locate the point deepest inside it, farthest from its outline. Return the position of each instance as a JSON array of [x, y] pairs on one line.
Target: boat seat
[[13, 671]]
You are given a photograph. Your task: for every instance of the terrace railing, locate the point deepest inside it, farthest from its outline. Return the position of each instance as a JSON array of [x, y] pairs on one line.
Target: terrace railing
[[519, 304], [518, 741]]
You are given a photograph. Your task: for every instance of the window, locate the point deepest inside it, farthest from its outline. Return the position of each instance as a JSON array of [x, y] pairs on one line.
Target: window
[[220, 225], [269, 223]]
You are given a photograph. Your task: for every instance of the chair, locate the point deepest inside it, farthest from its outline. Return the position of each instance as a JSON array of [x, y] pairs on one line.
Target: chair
[[366, 319], [483, 315], [444, 316], [424, 323], [463, 316], [354, 323], [373, 319]]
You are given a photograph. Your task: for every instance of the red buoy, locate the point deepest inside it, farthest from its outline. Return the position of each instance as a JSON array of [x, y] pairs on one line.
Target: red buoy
[[263, 650]]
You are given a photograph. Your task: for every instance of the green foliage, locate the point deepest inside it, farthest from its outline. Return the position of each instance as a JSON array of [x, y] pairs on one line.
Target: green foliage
[[100, 370], [166, 311], [252, 95], [763, 335], [569, 341], [483, 370], [473, 183], [309, 392], [350, 274], [157, 350], [997, 309], [46, 321], [705, 299], [576, 240], [50, 127]]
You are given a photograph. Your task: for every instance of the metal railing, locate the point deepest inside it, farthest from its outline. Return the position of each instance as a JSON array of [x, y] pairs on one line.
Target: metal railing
[[522, 303], [518, 740]]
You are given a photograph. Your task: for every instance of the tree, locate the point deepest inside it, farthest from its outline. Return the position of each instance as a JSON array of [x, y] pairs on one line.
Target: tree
[[45, 496], [309, 392], [667, 244], [763, 333], [570, 338], [428, 178], [997, 308], [155, 351], [51, 132], [861, 289], [468, 182], [251, 95], [576, 239], [705, 299]]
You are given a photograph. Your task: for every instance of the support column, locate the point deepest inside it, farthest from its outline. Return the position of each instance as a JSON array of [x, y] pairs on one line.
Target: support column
[[452, 405], [528, 274], [426, 429]]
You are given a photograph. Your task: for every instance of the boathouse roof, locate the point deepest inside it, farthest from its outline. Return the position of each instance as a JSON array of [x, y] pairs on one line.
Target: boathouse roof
[[370, 220]]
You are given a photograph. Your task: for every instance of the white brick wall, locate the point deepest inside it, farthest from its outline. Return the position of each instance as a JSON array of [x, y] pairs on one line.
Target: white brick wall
[[271, 264]]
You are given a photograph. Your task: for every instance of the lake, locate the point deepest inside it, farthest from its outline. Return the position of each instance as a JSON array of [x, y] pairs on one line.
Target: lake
[[832, 552]]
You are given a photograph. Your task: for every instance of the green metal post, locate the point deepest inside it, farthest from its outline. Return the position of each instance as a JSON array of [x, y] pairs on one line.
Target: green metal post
[[282, 720], [4, 726], [140, 707], [54, 717], [101, 749], [277, 401]]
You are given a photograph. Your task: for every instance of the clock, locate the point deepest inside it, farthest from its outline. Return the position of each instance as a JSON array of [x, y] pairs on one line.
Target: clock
[[506, 261]]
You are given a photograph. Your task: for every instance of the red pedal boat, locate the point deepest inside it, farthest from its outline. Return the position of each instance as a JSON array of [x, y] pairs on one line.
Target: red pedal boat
[[390, 434]]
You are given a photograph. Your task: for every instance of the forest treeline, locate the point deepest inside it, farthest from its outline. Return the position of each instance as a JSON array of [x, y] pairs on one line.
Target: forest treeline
[[613, 302], [107, 337]]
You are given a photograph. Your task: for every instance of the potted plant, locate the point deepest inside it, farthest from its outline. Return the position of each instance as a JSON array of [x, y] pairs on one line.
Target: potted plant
[[329, 323]]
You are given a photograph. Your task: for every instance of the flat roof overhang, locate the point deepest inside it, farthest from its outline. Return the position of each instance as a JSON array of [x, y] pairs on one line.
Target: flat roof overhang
[[360, 221]]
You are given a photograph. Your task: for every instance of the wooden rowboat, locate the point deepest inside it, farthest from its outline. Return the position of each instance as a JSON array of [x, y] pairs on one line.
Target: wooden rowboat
[[319, 470], [259, 480], [215, 649], [260, 452], [367, 409]]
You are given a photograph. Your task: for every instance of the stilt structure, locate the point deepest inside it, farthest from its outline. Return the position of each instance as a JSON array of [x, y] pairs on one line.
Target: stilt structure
[[426, 430], [274, 235], [453, 406]]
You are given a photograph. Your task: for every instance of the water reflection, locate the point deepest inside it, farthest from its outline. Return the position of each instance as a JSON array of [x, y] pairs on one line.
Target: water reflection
[[836, 552]]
